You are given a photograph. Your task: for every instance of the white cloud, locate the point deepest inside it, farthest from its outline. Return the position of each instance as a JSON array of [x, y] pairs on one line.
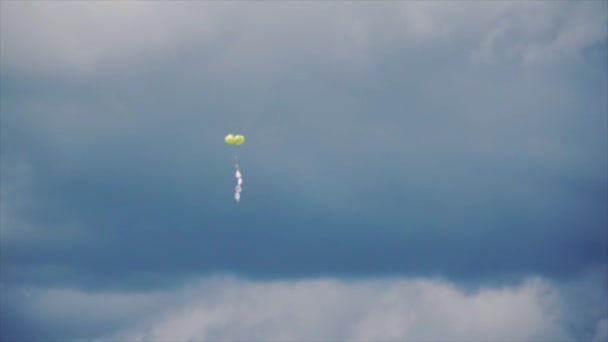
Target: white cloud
[[542, 32], [252, 39], [81, 37], [225, 308], [585, 25]]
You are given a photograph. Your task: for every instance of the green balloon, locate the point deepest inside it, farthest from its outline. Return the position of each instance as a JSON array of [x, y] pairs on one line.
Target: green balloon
[[229, 139], [239, 139]]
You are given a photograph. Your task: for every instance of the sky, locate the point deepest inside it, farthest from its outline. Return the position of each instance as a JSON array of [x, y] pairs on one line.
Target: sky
[[412, 171]]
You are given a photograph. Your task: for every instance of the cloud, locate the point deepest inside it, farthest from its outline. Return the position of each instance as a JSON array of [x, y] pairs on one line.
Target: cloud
[[404, 139], [584, 27], [374, 139], [397, 309], [253, 41], [72, 39]]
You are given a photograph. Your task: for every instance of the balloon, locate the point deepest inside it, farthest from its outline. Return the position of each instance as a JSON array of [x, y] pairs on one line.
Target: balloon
[[229, 139], [239, 139]]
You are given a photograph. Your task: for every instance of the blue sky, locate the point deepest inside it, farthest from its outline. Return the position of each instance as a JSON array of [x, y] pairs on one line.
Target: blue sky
[[412, 170]]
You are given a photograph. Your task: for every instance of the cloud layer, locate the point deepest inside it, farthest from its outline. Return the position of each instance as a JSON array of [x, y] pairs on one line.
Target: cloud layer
[[227, 308], [375, 134], [254, 39], [459, 140]]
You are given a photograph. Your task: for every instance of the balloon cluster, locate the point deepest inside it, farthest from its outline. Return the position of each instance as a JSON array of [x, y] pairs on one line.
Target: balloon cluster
[[236, 140]]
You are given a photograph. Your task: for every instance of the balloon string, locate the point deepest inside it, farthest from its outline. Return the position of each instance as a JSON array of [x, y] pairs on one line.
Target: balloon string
[[239, 179]]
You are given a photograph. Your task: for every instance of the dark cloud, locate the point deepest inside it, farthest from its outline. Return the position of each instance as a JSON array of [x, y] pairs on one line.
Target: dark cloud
[[419, 163]]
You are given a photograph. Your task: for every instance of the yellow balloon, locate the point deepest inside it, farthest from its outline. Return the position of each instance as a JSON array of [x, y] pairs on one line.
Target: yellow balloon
[[239, 139], [229, 139]]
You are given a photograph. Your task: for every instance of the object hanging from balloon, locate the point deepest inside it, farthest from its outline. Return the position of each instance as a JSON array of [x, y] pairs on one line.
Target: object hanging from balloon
[[237, 139]]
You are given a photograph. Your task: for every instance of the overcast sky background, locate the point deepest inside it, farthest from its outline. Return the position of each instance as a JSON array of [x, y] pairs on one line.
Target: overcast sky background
[[413, 171]]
